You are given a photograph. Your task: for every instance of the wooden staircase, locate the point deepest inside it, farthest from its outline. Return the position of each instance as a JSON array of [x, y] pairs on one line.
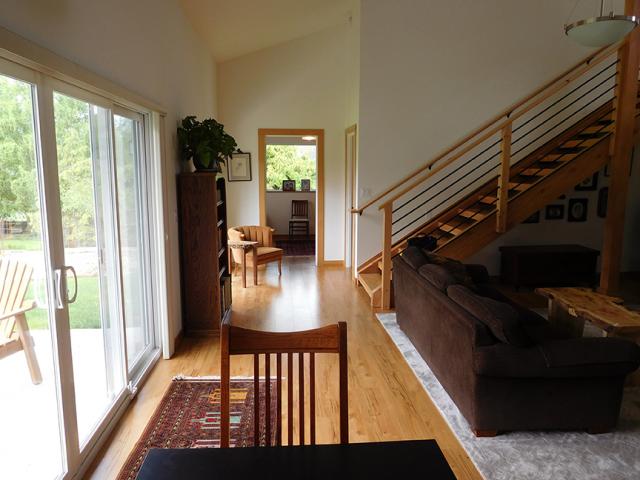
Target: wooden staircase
[[515, 188]]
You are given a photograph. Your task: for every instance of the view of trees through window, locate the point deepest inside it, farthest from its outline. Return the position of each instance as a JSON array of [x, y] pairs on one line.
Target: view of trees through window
[[290, 162]]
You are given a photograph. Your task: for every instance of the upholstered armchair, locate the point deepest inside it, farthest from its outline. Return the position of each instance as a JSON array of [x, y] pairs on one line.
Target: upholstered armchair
[[266, 251]]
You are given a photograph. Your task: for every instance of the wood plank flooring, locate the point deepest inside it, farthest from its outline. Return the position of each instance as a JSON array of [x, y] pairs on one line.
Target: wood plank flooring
[[386, 401]]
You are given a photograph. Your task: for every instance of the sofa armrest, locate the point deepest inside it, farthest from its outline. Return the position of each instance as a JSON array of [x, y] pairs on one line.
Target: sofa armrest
[[574, 358]]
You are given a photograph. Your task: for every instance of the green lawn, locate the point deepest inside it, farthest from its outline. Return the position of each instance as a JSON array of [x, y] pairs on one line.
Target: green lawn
[[20, 243], [84, 313]]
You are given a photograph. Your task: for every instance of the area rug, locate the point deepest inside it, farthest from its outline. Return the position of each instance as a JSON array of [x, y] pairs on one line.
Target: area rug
[[297, 247], [534, 455], [189, 417]]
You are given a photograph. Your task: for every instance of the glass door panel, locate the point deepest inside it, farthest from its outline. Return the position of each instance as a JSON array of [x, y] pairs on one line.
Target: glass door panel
[[83, 139], [132, 229], [30, 438]]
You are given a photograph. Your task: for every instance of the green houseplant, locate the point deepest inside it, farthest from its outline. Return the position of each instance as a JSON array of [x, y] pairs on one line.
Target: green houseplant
[[205, 142]]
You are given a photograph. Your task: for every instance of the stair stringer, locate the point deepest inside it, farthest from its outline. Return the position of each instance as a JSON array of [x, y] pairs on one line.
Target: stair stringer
[[528, 202]]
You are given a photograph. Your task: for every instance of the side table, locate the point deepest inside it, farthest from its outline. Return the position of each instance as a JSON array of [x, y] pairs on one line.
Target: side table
[[245, 246]]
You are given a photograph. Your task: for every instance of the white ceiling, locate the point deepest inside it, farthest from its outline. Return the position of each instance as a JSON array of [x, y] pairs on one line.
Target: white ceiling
[[233, 28]]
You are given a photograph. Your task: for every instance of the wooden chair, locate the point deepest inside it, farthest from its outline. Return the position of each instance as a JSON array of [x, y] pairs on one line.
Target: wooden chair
[[14, 330], [299, 221], [266, 251], [242, 341]]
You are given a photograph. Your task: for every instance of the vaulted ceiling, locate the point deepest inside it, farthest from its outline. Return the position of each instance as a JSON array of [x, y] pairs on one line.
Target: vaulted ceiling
[[233, 28]]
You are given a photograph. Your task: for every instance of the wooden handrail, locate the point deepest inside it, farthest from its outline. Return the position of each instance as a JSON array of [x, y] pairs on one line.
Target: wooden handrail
[[509, 114]]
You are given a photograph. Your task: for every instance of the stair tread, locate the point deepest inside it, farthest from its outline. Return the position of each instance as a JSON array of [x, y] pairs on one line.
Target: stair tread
[[589, 135], [371, 282], [565, 150]]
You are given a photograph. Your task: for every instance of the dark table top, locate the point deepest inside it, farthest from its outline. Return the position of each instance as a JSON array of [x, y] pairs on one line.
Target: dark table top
[[371, 461]]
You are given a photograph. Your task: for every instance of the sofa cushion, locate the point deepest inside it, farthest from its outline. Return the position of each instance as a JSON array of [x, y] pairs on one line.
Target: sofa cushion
[[438, 276], [501, 318], [575, 358], [414, 256], [478, 273]]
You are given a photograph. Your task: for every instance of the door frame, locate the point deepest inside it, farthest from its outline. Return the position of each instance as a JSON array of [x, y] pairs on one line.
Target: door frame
[[351, 195], [263, 133]]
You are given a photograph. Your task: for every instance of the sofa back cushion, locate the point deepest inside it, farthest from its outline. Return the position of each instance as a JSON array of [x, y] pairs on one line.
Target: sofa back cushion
[[415, 257], [438, 276], [501, 318]]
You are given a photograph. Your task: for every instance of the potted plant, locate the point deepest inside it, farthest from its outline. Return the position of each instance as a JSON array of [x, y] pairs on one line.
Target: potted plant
[[205, 142]]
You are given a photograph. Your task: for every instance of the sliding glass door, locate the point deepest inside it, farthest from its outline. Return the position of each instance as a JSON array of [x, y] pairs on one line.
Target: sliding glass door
[[76, 309], [29, 399]]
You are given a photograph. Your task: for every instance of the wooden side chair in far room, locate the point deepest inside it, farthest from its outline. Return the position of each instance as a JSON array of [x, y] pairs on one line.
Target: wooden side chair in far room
[[242, 341], [299, 221], [266, 251], [14, 330]]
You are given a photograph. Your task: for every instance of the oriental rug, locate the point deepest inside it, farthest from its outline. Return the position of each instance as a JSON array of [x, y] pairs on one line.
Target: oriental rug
[[188, 416]]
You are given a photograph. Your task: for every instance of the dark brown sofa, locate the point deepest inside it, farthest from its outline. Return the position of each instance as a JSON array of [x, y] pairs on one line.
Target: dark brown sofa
[[510, 371]]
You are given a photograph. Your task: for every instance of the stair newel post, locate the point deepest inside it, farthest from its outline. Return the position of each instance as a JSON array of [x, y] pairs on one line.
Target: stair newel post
[[385, 297], [503, 180]]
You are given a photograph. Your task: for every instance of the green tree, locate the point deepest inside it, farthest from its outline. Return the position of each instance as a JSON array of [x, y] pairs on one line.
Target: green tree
[[285, 162]]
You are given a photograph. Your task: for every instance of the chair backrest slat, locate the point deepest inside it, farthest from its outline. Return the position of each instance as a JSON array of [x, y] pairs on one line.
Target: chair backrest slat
[[14, 283], [290, 398], [241, 341], [278, 399], [301, 397], [312, 398], [267, 398], [256, 400]]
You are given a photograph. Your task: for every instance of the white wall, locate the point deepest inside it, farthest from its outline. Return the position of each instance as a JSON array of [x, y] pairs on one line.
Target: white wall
[[589, 233], [299, 84], [148, 47], [279, 210], [432, 71]]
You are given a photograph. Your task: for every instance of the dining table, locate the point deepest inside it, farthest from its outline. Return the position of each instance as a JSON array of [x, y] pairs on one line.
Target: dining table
[[397, 460]]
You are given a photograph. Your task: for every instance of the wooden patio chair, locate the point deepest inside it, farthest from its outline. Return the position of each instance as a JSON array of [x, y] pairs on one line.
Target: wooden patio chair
[[242, 341], [14, 331]]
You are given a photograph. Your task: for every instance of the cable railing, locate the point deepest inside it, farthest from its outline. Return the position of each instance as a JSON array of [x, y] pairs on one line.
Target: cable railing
[[479, 166]]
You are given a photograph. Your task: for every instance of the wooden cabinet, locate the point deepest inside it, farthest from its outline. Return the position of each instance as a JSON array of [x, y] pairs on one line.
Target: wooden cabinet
[[548, 265], [205, 279]]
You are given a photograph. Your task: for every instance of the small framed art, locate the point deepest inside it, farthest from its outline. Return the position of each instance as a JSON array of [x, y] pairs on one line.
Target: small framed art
[[305, 185], [577, 210], [288, 185], [554, 212], [239, 167]]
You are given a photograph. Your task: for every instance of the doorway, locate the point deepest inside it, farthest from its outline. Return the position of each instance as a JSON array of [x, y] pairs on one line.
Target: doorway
[[291, 181]]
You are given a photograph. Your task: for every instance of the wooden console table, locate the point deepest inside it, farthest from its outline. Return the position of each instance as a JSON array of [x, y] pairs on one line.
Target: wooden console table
[[548, 265]]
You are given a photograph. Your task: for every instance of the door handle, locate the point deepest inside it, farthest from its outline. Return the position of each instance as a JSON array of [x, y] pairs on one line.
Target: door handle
[[75, 285], [61, 293]]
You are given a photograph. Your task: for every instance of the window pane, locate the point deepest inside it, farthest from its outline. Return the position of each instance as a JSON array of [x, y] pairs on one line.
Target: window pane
[[290, 162], [85, 178], [28, 393], [131, 223]]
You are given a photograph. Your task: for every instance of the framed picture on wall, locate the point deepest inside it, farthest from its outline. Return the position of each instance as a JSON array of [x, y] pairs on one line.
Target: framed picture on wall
[[305, 185], [577, 210], [554, 212], [239, 167], [588, 184], [534, 218], [288, 185], [603, 197]]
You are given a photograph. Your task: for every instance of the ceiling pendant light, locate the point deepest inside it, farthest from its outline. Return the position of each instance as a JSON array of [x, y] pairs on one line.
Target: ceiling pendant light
[[601, 31]]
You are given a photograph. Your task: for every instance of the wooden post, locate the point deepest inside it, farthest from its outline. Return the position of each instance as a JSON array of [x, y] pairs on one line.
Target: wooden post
[[620, 162], [503, 180], [385, 297]]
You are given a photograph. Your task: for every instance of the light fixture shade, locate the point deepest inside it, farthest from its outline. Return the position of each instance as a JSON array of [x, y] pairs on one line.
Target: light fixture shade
[[601, 31]]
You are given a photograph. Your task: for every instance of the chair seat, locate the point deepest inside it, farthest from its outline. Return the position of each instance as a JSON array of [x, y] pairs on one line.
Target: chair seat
[[263, 251]]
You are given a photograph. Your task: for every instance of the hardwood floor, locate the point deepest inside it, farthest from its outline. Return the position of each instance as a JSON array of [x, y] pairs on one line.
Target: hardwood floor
[[386, 401]]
